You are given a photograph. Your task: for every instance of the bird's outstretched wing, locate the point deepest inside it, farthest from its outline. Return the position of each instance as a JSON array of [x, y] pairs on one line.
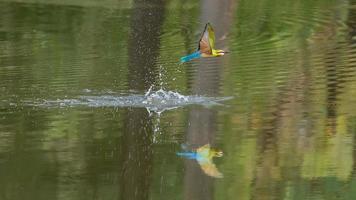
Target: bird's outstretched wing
[[210, 169], [207, 40]]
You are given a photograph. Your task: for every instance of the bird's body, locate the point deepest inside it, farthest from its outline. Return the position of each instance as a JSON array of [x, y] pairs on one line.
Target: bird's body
[[206, 46]]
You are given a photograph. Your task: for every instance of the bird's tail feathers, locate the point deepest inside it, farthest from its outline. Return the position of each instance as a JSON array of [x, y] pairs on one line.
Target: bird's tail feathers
[[189, 155], [190, 57]]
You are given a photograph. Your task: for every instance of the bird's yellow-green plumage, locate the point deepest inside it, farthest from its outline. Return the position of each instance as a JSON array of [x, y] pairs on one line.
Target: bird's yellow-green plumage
[[207, 43]]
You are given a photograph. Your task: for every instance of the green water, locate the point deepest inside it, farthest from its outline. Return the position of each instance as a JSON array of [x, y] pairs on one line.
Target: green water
[[287, 130]]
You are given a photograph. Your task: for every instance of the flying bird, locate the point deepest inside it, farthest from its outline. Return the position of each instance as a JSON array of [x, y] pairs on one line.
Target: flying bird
[[206, 46]]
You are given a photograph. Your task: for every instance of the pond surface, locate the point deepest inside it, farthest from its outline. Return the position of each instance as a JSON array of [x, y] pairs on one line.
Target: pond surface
[[94, 103]]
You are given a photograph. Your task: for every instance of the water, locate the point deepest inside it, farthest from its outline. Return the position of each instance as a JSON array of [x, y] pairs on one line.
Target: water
[[95, 104]]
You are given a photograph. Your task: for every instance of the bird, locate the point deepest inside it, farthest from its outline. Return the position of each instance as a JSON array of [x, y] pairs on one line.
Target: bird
[[206, 47], [204, 156]]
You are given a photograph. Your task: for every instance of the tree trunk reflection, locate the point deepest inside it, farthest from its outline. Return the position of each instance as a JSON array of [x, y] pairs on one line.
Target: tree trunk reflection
[[206, 81], [137, 147]]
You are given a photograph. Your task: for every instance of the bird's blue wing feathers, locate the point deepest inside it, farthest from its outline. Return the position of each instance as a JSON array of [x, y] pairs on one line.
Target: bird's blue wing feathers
[[190, 155]]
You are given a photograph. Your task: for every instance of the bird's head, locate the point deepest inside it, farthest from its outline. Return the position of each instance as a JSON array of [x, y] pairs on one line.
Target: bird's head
[[218, 153], [220, 52]]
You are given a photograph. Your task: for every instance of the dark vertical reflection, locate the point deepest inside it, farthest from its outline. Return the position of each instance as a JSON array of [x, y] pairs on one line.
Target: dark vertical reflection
[[144, 42], [137, 155], [332, 94], [206, 81], [351, 23], [137, 148], [335, 81]]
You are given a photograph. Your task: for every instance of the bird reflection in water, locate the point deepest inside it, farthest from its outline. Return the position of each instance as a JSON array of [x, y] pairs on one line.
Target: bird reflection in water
[[204, 156]]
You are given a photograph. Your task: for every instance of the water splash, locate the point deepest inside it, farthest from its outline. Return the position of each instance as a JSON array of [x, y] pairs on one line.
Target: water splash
[[154, 101], [162, 97]]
